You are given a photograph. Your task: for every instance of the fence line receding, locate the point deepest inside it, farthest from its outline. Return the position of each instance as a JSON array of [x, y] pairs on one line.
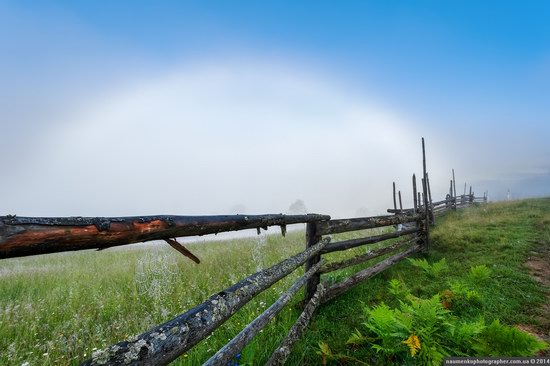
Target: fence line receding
[[406, 233]]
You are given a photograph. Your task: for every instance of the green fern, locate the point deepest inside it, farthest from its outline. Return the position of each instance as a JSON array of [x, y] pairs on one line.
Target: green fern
[[358, 339], [420, 263], [432, 270], [479, 273], [439, 267], [398, 289], [500, 340]]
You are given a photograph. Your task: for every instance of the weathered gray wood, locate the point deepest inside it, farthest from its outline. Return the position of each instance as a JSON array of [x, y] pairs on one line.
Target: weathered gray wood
[[415, 198], [400, 202], [312, 238], [432, 217], [353, 243], [454, 184], [394, 200], [164, 343], [22, 236], [282, 352], [367, 273], [427, 208], [330, 267], [227, 352], [426, 224], [407, 211], [361, 223], [442, 202]]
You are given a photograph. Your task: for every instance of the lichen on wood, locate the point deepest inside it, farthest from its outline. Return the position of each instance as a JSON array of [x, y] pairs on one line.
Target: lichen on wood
[[282, 352], [227, 352], [367, 273], [361, 223], [22, 236], [371, 254], [164, 343]]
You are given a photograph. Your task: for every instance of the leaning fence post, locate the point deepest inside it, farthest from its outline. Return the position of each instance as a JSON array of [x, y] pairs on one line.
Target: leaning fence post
[[312, 238]]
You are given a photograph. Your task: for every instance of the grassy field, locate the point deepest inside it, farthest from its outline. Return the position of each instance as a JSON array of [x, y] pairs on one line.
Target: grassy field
[[57, 309]]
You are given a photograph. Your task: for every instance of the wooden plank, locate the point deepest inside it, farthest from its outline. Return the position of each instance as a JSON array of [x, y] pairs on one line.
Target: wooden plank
[[407, 211], [334, 266], [353, 243], [22, 236], [282, 352], [227, 352], [361, 223], [312, 238], [367, 273], [442, 202], [164, 343]]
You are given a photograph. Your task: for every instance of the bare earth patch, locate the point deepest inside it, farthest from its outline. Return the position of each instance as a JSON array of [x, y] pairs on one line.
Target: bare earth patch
[[538, 264]]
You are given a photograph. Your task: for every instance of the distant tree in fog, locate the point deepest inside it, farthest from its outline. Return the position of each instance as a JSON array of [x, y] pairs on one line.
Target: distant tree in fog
[[297, 208]]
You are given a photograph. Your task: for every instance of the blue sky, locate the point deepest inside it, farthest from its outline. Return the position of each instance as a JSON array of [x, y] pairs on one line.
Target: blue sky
[[238, 82]]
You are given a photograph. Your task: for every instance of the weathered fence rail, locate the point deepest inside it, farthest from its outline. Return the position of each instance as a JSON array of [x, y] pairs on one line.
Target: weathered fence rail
[[22, 236], [406, 233]]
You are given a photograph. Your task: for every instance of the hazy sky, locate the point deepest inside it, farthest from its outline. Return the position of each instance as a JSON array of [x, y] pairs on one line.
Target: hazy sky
[[211, 107]]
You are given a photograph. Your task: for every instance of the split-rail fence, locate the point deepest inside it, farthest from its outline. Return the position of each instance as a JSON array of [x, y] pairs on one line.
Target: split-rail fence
[[22, 236]]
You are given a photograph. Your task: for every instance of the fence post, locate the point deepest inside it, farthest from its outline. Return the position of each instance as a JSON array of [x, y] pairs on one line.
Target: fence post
[[432, 216], [454, 184], [415, 198], [394, 199], [312, 238], [427, 207]]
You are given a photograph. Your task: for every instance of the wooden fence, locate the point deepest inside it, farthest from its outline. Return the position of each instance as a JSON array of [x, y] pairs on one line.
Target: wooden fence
[[21, 236]]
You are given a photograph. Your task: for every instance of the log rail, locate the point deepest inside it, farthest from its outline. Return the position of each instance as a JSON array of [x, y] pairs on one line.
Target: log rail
[[405, 231]]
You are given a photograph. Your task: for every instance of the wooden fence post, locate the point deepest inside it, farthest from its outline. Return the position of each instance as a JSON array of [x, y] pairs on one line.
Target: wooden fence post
[[312, 238], [415, 198], [394, 200], [427, 208], [432, 216], [454, 184]]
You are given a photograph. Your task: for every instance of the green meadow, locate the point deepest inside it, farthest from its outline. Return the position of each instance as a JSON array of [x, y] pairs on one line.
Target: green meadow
[[58, 309]]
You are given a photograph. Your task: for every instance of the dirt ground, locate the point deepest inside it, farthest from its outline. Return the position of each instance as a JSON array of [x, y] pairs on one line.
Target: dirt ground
[[539, 267]]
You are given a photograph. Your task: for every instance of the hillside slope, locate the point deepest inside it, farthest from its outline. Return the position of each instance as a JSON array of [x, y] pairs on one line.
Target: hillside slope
[[512, 239]]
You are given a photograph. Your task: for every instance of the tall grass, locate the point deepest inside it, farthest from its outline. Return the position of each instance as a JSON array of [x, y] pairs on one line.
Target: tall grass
[[57, 309]]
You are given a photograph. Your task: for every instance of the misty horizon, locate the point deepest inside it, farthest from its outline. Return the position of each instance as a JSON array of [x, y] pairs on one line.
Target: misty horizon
[[207, 110]]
